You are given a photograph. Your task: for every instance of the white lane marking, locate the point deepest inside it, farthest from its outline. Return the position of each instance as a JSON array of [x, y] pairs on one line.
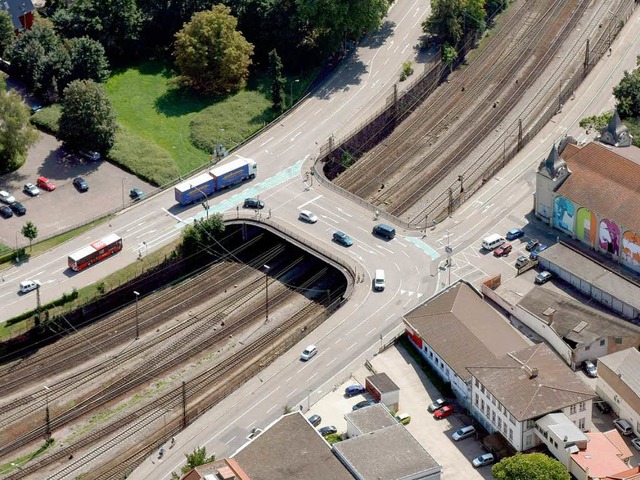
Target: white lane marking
[[344, 213], [334, 359], [309, 379], [287, 379], [269, 411], [400, 243], [370, 332], [317, 111], [386, 249], [310, 201], [266, 141], [251, 424], [293, 392], [351, 346]]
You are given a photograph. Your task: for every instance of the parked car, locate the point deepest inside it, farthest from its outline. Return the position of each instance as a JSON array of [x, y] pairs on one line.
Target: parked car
[[28, 285], [362, 404], [6, 197], [521, 261], [353, 390], [444, 412], [36, 107], [5, 212], [482, 460], [315, 420], [307, 216], [503, 250], [31, 190], [623, 426], [464, 432], [136, 194], [46, 184], [253, 203], [590, 369], [403, 418], [636, 443], [308, 352], [81, 184], [539, 249], [531, 245], [543, 277], [514, 233], [343, 239], [90, 155], [18, 208], [439, 403], [603, 406], [324, 431]]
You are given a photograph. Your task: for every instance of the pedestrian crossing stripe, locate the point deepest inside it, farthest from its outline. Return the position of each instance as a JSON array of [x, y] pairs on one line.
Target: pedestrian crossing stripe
[[423, 246]]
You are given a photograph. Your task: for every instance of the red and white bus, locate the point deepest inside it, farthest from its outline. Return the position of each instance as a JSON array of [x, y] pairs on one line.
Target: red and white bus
[[94, 252]]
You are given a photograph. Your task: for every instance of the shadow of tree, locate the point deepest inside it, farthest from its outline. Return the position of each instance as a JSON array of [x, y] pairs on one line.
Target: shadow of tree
[[354, 69], [376, 39], [179, 101]]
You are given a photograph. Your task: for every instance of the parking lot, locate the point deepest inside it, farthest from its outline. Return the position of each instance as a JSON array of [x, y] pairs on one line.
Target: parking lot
[[416, 393], [54, 212]]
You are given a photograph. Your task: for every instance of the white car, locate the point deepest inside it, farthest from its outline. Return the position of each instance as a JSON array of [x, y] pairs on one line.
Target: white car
[[6, 197], [308, 352], [29, 285], [483, 460], [636, 443], [464, 432], [307, 216], [31, 189]]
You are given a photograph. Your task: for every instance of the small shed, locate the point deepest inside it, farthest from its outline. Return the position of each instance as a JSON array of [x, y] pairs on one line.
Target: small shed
[[384, 390]]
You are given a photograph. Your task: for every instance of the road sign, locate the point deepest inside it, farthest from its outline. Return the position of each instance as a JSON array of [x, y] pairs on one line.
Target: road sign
[[448, 249]]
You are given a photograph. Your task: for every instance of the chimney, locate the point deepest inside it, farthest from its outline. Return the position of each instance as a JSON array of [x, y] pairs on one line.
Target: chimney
[[548, 313], [531, 371]]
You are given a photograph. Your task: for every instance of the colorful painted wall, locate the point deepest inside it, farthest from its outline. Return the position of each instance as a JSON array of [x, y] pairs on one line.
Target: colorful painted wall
[[564, 214], [631, 249], [586, 226], [609, 236]]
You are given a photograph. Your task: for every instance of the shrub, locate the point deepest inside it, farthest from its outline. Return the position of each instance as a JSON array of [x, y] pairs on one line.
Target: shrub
[[407, 70], [47, 119]]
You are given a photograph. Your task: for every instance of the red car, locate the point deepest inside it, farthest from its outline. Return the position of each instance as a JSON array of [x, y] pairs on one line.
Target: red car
[[444, 412], [503, 250], [46, 184]]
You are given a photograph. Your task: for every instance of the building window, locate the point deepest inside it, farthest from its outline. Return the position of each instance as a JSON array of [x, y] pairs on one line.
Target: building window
[[504, 428], [476, 401], [511, 419], [482, 405], [617, 340], [601, 343], [511, 435], [493, 417], [527, 441], [493, 399], [477, 383], [583, 406], [499, 423], [482, 388], [430, 354], [581, 423], [572, 410], [530, 424], [588, 347]]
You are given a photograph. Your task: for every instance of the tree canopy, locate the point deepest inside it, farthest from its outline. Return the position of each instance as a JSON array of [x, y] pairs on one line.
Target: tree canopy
[[627, 93], [194, 459], [534, 466], [16, 132], [7, 35], [87, 120], [196, 238], [30, 232], [211, 54], [88, 60]]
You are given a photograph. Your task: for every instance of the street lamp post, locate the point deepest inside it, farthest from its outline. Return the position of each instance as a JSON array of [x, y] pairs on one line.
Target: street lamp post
[[123, 193], [297, 80], [309, 399], [137, 320], [205, 204], [47, 418], [266, 291]]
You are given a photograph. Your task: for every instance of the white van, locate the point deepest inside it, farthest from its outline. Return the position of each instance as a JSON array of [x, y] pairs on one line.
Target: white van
[[492, 242], [378, 281]]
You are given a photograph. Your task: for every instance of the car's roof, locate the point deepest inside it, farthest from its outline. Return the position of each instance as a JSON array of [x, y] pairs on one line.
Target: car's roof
[[306, 212], [310, 347]]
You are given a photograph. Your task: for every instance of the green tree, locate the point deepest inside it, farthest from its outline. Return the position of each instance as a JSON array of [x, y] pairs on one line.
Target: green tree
[[334, 22], [627, 93], [87, 119], [277, 81], [533, 466], [201, 236], [211, 54], [445, 23], [30, 232], [449, 55], [88, 60], [16, 132], [596, 122], [7, 35], [194, 459]]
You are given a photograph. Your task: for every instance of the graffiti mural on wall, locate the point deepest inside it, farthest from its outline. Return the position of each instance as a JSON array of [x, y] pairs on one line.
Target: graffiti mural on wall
[[564, 214], [609, 237], [631, 249], [586, 226]]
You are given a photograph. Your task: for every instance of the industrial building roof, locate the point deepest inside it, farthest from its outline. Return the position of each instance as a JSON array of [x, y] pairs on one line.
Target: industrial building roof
[[625, 364], [387, 454], [597, 275], [371, 418], [15, 9], [617, 177], [574, 320], [290, 449], [383, 383], [563, 427], [532, 382], [604, 454], [463, 329]]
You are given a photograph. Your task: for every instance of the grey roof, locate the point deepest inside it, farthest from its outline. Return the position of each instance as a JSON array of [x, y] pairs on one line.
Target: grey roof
[[615, 133], [528, 396], [371, 418], [16, 8], [626, 364], [463, 329], [563, 427], [586, 269], [574, 320], [387, 454], [290, 449], [383, 383], [552, 165]]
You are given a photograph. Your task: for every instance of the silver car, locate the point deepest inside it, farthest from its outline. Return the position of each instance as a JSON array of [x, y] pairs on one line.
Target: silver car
[[6, 197]]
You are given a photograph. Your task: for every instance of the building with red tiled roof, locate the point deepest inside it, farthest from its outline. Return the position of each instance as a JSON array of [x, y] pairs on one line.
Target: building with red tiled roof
[[606, 453], [630, 474], [592, 193], [223, 469]]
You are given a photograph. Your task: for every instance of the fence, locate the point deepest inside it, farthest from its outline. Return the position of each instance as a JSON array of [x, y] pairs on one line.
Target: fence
[[399, 107]]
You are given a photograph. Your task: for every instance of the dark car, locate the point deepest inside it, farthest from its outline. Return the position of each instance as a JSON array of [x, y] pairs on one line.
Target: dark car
[[81, 184], [539, 249], [136, 194], [324, 431], [315, 420], [362, 404], [18, 208], [343, 239], [603, 406], [354, 390], [253, 203], [514, 233], [503, 250], [5, 212], [531, 245], [439, 403]]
